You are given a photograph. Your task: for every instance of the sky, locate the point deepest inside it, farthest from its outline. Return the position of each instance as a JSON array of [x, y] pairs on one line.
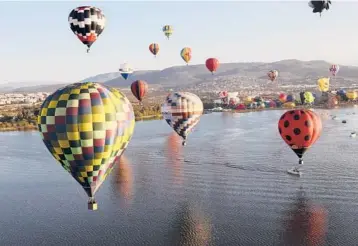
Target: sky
[[37, 44]]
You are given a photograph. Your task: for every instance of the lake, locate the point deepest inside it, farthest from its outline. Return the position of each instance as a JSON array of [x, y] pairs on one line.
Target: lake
[[228, 186]]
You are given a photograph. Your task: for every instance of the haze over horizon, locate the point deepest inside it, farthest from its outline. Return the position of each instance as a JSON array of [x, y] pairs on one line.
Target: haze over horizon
[[41, 46]]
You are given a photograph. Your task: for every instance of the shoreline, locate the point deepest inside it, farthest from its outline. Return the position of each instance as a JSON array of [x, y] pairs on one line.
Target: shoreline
[[206, 111], [34, 128]]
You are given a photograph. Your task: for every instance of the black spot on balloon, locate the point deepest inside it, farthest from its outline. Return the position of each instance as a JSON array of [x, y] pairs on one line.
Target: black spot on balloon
[[297, 131], [288, 138], [307, 137], [307, 123], [296, 117], [286, 123], [303, 112], [279, 129], [283, 116], [292, 112]]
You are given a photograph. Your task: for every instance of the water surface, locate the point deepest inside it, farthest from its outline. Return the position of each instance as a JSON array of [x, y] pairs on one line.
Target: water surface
[[228, 186]]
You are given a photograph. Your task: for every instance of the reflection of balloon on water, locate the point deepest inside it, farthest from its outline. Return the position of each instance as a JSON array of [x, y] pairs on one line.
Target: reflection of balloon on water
[[154, 48], [306, 223], [300, 129], [124, 178], [182, 111], [86, 127], [212, 64], [190, 228], [87, 23], [174, 152]]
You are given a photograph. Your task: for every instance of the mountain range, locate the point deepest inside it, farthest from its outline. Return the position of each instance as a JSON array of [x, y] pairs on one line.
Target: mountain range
[[186, 77]]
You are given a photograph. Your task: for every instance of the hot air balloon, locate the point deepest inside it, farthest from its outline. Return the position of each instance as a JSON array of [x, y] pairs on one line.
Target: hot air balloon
[[282, 97], [126, 70], [351, 95], [272, 75], [185, 53], [139, 88], [87, 23], [334, 69], [86, 127], [154, 48], [309, 98], [182, 111], [168, 30], [212, 64], [290, 98], [323, 84], [319, 6], [241, 107], [300, 129]]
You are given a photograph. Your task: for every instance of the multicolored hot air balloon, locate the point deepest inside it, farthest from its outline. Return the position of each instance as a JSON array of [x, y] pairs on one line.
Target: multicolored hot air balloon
[[334, 69], [323, 84], [182, 111], [87, 23], [139, 88], [86, 127], [300, 129], [168, 30], [154, 48], [212, 64], [272, 75], [126, 70], [282, 97], [185, 53]]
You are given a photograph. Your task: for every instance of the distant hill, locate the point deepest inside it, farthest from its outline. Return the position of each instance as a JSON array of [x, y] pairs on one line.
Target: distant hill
[[290, 72]]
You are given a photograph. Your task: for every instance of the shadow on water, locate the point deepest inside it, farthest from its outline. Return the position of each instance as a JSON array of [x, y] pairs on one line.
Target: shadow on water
[[191, 227], [306, 223]]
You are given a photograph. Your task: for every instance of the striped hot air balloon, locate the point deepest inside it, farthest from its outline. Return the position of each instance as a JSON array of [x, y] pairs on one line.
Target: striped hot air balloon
[[139, 88]]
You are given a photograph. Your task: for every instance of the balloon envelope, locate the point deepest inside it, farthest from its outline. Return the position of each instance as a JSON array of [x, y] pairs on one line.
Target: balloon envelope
[[86, 127], [300, 129], [182, 111]]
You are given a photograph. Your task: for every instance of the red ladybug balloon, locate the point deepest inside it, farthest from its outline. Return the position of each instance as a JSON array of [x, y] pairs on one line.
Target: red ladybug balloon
[[212, 64], [300, 129]]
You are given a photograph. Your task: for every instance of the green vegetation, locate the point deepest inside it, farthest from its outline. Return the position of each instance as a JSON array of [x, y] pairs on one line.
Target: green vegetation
[[25, 118]]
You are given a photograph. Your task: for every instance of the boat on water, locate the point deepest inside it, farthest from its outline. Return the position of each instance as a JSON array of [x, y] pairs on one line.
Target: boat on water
[[294, 171]]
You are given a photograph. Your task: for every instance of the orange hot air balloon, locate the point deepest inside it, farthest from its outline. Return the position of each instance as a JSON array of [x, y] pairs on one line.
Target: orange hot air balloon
[[212, 64], [154, 48], [282, 97], [300, 129]]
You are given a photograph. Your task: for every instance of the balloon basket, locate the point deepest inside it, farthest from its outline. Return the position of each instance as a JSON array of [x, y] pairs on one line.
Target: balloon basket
[[183, 143], [300, 161], [92, 206]]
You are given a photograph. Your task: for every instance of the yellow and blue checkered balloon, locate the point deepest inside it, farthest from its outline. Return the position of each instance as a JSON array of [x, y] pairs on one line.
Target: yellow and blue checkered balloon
[[86, 127]]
